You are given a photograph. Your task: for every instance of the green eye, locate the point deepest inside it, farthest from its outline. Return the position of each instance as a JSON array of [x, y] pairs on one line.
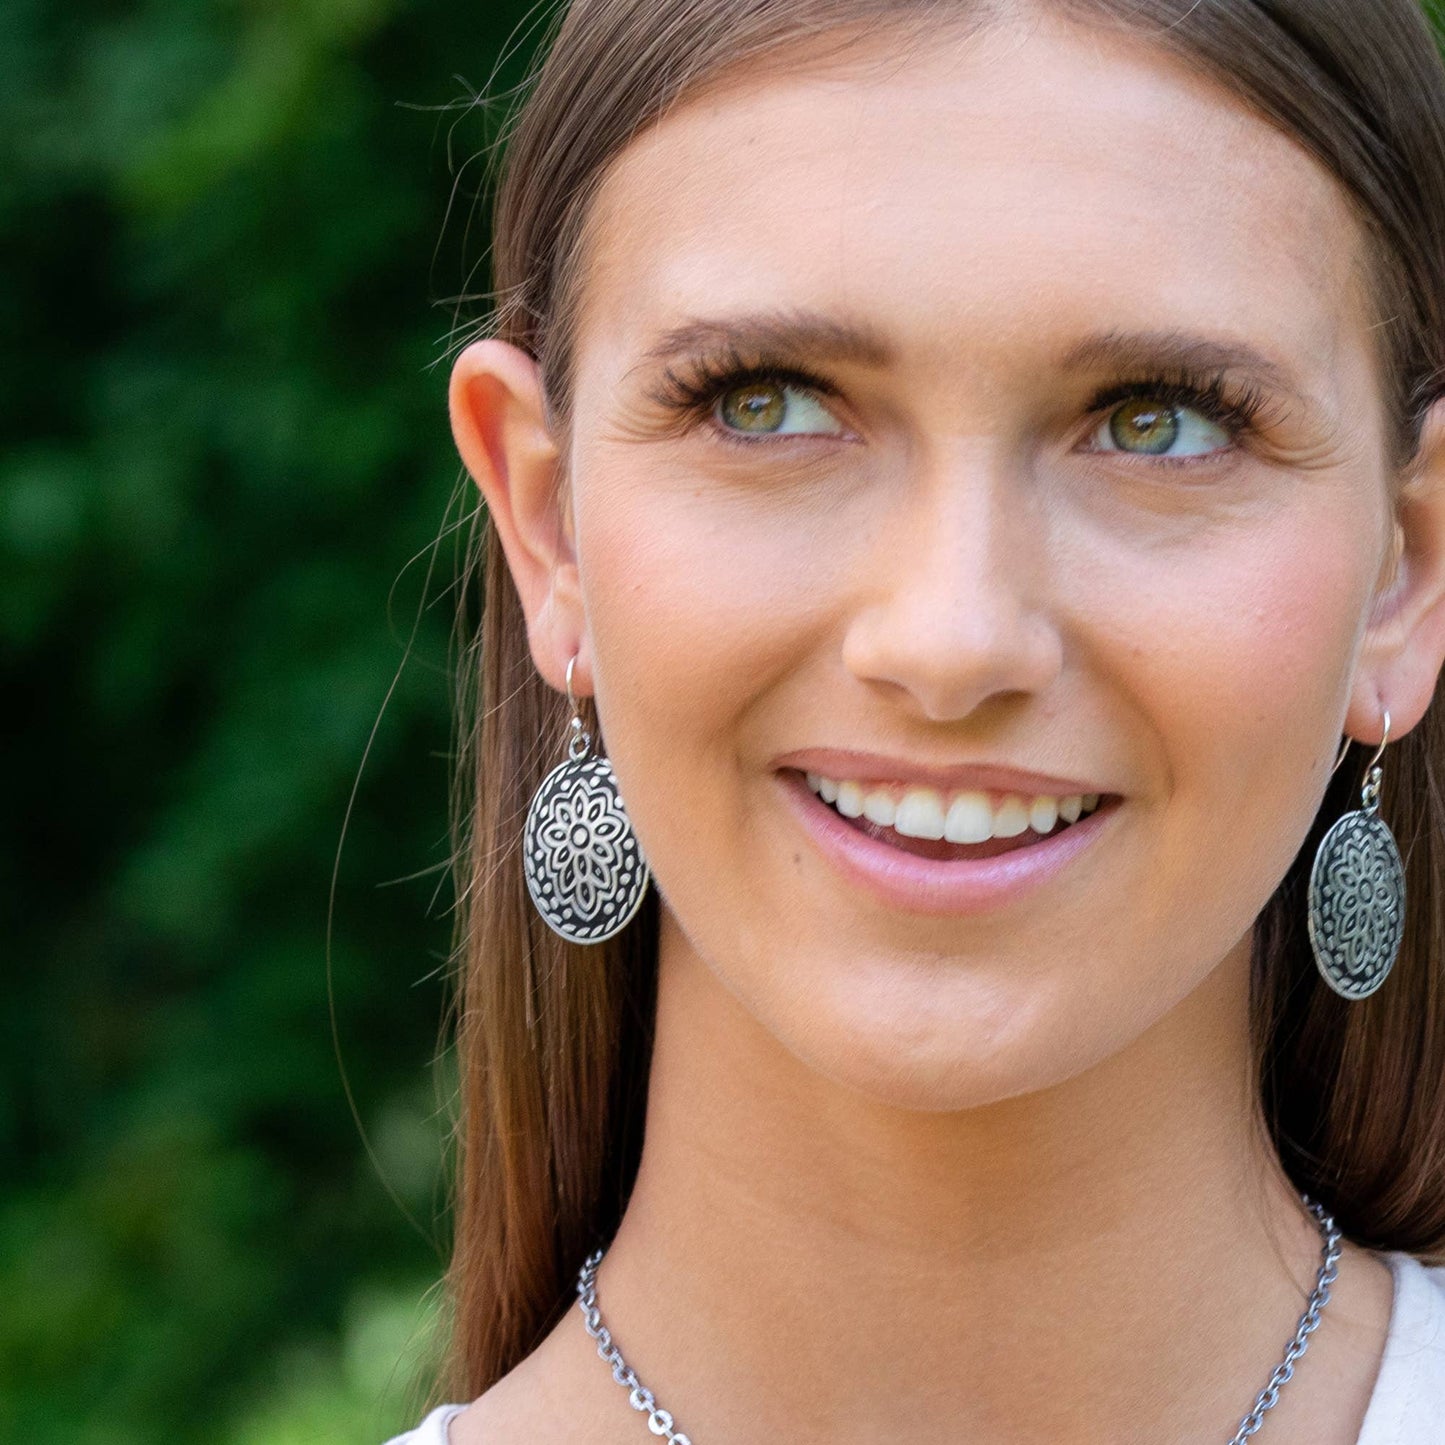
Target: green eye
[[1146, 426], [772, 408]]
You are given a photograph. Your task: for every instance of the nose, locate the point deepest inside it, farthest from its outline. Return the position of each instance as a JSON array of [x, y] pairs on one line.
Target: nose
[[953, 606]]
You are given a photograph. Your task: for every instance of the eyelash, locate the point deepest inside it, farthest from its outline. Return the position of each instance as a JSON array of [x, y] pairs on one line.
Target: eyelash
[[1237, 408], [695, 393]]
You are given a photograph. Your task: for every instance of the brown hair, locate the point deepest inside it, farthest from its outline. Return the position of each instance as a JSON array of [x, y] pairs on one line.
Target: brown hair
[[554, 1041]]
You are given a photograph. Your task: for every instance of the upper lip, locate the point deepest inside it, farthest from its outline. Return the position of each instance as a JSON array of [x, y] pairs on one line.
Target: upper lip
[[843, 763]]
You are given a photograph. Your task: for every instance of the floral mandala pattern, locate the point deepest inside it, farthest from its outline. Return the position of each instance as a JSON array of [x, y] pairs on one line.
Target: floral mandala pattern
[[584, 870], [1357, 904]]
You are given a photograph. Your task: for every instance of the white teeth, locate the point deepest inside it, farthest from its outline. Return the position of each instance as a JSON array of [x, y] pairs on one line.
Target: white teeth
[[879, 807], [920, 814], [969, 820], [1011, 817], [965, 817], [1043, 814]]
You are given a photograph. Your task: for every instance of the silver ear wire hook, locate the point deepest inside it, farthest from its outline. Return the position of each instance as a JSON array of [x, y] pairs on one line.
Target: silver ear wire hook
[[1379, 753], [1374, 774], [571, 663], [580, 740]]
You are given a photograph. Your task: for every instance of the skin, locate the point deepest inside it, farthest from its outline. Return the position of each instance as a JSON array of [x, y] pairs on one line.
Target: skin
[[995, 1177]]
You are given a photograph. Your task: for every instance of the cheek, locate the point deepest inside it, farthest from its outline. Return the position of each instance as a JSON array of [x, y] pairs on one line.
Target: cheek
[[696, 603], [697, 606], [1234, 649]]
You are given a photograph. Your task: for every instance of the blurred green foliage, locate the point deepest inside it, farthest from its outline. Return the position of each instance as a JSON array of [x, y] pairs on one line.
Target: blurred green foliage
[[226, 237]]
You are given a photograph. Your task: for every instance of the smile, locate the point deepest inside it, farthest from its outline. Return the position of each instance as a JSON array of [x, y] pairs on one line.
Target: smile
[[940, 851], [961, 816]]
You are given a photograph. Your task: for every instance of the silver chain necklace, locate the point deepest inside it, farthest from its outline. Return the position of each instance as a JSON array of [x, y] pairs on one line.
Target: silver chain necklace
[[659, 1421]]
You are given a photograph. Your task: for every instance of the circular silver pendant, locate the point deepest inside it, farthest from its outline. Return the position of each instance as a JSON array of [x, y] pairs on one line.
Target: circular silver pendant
[[1357, 904], [584, 869]]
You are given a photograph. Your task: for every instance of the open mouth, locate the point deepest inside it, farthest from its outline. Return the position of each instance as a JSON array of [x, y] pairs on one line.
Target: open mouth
[[951, 827]]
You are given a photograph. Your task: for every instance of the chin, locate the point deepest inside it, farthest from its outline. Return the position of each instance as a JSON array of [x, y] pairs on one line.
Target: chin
[[934, 1050]]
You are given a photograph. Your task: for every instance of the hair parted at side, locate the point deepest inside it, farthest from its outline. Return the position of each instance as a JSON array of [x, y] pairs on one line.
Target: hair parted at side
[[554, 1041]]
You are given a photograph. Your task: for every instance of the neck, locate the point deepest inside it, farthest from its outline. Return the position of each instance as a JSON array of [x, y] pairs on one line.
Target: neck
[[798, 1253]]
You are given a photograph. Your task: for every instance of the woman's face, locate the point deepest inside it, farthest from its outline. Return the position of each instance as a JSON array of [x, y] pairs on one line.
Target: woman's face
[[1052, 444]]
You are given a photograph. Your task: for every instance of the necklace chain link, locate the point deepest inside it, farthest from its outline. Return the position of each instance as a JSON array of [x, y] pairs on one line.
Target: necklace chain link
[[660, 1422]]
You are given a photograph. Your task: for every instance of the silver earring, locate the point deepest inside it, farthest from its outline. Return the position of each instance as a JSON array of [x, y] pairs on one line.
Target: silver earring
[[1357, 893], [584, 869]]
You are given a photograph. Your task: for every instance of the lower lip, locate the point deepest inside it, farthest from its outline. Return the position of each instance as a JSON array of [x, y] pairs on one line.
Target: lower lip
[[925, 885]]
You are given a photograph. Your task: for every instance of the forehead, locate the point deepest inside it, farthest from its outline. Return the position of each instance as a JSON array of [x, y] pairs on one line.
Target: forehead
[[1033, 177]]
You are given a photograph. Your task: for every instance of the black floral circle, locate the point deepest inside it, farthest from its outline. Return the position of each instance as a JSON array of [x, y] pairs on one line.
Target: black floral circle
[[1357, 905], [584, 869]]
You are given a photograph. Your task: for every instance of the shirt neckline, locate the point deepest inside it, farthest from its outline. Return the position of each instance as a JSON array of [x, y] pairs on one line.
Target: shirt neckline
[[1409, 1338]]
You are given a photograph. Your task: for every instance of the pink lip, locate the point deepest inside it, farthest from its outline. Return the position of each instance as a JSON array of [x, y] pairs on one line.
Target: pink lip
[[864, 767], [925, 885]]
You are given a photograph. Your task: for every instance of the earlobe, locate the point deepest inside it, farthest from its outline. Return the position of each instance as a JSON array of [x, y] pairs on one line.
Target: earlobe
[[498, 420], [1404, 647]]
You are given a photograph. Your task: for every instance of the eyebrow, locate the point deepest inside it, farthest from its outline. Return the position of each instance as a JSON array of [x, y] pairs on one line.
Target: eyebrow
[[785, 333], [802, 334], [1178, 351]]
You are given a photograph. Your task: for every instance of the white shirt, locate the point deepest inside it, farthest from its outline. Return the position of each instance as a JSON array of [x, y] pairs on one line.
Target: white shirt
[[1407, 1406]]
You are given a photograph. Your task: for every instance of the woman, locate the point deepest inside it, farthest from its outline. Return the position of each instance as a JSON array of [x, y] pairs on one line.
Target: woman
[[969, 468]]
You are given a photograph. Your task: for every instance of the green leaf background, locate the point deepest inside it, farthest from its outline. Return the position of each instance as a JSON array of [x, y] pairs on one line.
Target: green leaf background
[[230, 232]]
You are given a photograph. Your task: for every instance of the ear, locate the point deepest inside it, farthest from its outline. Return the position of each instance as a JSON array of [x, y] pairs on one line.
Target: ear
[[498, 417], [1404, 644]]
